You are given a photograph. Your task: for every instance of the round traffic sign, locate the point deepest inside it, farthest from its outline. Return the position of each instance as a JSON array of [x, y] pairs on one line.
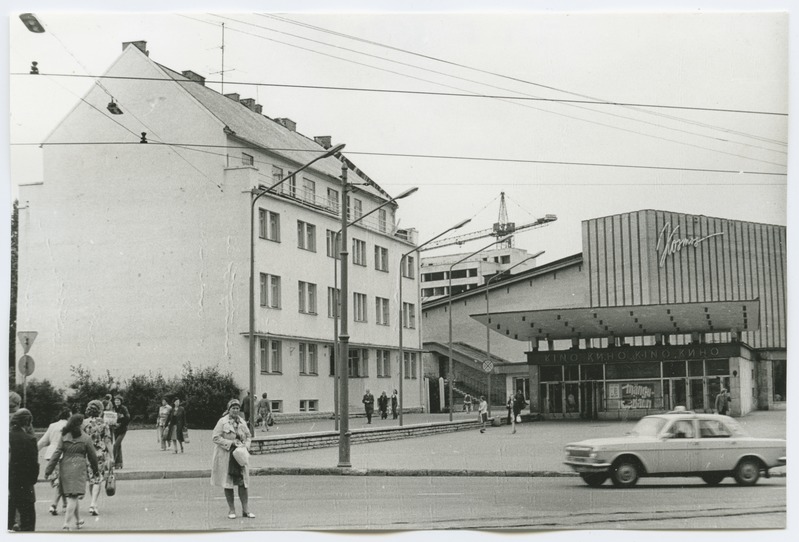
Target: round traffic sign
[[26, 365], [488, 365]]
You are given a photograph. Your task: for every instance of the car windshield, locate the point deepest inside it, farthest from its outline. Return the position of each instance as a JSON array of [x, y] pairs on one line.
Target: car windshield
[[648, 427]]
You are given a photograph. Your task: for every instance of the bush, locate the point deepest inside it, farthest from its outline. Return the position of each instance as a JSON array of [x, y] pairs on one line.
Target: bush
[[204, 394], [43, 400], [143, 394], [85, 387]]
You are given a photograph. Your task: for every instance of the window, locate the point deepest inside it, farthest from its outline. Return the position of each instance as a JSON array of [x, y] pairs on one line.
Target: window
[[333, 298], [409, 315], [504, 259], [247, 159], [381, 311], [306, 236], [292, 189], [383, 363], [277, 406], [410, 364], [308, 190], [381, 258], [277, 174], [382, 221], [713, 429], [358, 365], [307, 297], [268, 225], [409, 268], [358, 252], [308, 359], [270, 356], [357, 208], [359, 307], [332, 199], [309, 405], [270, 291], [332, 244]]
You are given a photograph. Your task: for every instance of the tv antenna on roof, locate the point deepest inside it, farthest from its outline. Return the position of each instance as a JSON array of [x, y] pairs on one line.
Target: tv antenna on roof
[[223, 70]]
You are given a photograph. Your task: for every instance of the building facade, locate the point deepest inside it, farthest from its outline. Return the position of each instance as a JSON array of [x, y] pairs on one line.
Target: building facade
[[663, 309], [135, 257]]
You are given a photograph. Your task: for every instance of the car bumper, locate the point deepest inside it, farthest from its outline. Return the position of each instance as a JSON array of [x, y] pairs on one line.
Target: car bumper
[[582, 466], [782, 461]]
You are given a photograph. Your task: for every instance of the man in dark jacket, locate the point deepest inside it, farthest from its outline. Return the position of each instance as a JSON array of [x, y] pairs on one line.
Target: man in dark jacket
[[23, 471], [368, 405], [120, 430]]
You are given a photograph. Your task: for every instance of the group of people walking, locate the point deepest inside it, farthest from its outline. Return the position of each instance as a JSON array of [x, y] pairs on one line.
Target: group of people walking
[[170, 426], [383, 403]]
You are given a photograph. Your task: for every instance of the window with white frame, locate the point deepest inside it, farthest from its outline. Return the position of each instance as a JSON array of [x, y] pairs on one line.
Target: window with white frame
[[292, 186], [309, 364], [357, 208], [307, 297], [270, 291], [358, 363], [270, 356], [383, 363], [276, 406], [332, 244], [332, 199], [381, 258], [381, 311], [409, 315], [358, 252], [359, 307], [277, 174], [247, 159], [410, 364], [333, 298], [306, 236], [268, 225], [308, 190], [309, 405], [409, 267], [382, 220]]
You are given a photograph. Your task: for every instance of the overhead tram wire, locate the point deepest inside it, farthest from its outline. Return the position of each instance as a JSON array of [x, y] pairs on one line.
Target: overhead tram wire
[[738, 155], [201, 148], [515, 79]]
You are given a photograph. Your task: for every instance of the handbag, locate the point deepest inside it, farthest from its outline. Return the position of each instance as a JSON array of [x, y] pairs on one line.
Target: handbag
[[518, 418], [111, 484], [186, 435], [270, 421], [241, 455]]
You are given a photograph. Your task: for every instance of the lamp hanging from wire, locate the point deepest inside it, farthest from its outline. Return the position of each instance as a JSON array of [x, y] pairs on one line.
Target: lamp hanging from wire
[[113, 107]]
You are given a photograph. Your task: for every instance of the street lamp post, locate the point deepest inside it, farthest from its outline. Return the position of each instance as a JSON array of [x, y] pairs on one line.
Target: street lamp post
[[488, 319], [337, 377], [258, 195], [342, 364], [401, 319], [450, 377]]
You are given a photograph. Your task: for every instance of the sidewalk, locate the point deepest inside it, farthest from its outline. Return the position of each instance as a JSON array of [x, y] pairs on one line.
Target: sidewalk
[[535, 450]]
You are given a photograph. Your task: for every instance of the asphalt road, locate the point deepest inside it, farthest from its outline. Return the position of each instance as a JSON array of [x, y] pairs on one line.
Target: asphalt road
[[429, 503]]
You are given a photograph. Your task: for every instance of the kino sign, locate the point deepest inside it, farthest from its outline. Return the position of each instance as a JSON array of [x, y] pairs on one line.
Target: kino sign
[[672, 244]]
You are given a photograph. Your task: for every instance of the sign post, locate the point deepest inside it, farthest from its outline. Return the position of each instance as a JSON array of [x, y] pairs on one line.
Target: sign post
[[26, 364]]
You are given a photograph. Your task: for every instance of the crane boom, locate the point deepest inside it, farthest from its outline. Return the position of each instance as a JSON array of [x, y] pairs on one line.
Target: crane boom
[[499, 230]]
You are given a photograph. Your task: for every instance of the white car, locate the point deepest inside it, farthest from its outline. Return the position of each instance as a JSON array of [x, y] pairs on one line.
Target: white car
[[678, 443]]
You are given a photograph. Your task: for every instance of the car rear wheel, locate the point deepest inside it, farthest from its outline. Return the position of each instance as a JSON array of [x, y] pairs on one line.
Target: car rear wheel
[[713, 479], [747, 473], [625, 473], [594, 479]]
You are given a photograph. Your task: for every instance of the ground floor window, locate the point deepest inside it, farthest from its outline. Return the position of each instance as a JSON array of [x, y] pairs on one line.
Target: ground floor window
[[309, 405]]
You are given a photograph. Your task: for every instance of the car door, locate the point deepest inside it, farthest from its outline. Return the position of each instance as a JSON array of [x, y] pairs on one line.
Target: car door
[[678, 449], [718, 448]]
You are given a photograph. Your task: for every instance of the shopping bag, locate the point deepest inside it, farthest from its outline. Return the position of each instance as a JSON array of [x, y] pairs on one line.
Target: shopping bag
[[270, 421], [186, 435], [241, 455], [111, 484], [518, 418]]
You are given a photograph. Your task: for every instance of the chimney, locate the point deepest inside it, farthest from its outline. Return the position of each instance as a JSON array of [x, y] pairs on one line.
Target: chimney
[[325, 141], [196, 77], [233, 96], [250, 104], [288, 123], [140, 45]]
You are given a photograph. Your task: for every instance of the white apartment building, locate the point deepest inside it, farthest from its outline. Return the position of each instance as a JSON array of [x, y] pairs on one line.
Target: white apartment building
[[471, 273], [134, 257]]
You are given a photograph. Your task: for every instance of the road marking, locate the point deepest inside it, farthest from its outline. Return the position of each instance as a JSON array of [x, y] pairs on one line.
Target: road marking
[[436, 494]]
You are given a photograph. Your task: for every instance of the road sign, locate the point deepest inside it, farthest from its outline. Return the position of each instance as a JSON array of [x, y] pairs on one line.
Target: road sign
[[488, 365], [27, 338], [26, 365]]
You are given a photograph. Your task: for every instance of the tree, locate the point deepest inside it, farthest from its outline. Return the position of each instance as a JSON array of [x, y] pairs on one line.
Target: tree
[[85, 387], [43, 400], [205, 393]]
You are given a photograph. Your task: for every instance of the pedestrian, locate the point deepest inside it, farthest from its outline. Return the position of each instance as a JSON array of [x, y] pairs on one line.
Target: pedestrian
[[509, 404], [382, 405], [230, 433], [51, 440], [176, 425], [76, 461], [518, 405], [482, 410], [245, 408], [23, 471], [14, 400], [368, 405], [467, 403], [394, 404], [264, 412], [100, 434], [108, 403], [120, 430], [723, 402], [160, 424]]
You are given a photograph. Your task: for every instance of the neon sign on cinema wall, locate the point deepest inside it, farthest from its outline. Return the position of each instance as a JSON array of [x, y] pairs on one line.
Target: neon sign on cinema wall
[[672, 244]]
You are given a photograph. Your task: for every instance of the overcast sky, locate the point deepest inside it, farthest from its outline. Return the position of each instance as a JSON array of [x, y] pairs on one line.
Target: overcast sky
[[716, 146]]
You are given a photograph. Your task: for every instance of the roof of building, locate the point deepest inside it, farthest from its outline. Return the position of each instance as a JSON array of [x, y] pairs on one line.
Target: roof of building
[[625, 321]]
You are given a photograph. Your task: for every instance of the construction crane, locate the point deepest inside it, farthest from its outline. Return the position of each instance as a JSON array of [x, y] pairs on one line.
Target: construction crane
[[502, 228]]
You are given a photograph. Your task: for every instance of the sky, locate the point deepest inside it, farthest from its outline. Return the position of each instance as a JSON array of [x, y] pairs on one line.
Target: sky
[[697, 120]]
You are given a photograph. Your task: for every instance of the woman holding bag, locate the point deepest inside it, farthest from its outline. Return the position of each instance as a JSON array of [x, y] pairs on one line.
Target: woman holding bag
[[100, 435], [230, 435]]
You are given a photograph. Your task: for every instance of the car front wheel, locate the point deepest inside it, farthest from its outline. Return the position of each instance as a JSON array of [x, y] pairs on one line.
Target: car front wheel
[[713, 479], [747, 473], [625, 473], [594, 479]]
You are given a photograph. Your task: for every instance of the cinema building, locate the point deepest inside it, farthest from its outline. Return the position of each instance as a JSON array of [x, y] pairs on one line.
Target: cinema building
[[661, 309]]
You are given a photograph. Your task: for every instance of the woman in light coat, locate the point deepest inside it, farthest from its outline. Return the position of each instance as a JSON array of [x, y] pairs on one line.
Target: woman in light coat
[[231, 432], [51, 439], [74, 449]]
